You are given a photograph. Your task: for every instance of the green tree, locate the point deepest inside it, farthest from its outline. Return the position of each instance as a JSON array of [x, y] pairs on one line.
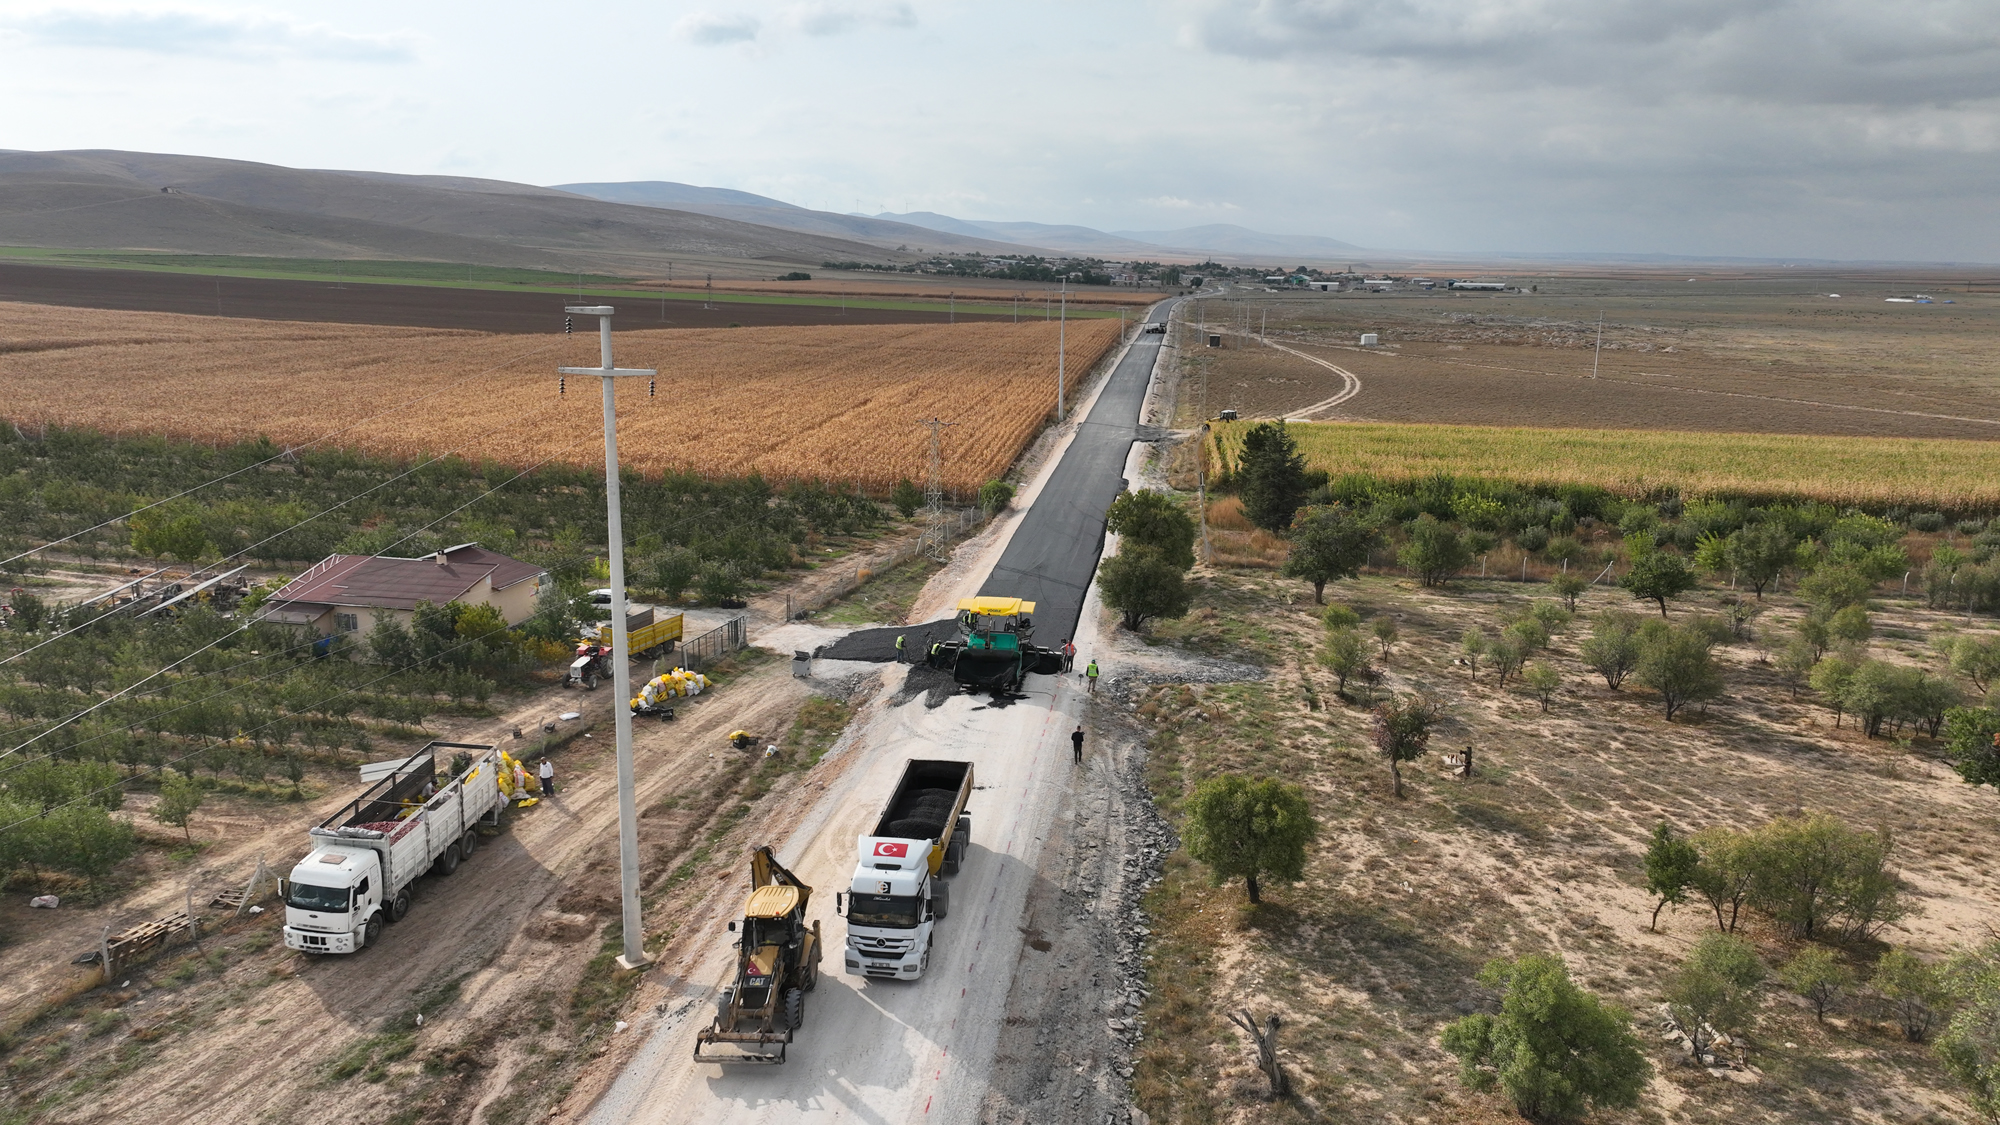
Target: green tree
[[1917, 992], [162, 534], [1811, 872], [84, 840], [1795, 663], [1974, 658], [994, 496], [1671, 866], [1832, 587], [1569, 587], [1543, 680], [566, 560], [1345, 655], [1474, 644], [1658, 576], [1339, 617], [1271, 476], [1386, 635], [1613, 648], [29, 610], [180, 796], [1401, 731], [1434, 553], [1830, 679], [1329, 543], [1818, 974], [1249, 828], [674, 570], [1506, 655], [1153, 519], [1557, 1051], [721, 581], [1972, 738], [1725, 874], [1677, 664], [1758, 554], [906, 498], [1970, 1043], [1714, 990], [1850, 623], [1140, 584]]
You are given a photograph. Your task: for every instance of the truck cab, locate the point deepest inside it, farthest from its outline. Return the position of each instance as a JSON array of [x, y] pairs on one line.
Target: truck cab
[[891, 911], [333, 900]]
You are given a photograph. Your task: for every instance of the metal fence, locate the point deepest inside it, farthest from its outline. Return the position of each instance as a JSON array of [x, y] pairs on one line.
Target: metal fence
[[703, 651]]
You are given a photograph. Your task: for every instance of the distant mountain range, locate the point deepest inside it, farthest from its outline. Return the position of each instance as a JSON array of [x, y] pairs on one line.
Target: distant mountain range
[[919, 230]]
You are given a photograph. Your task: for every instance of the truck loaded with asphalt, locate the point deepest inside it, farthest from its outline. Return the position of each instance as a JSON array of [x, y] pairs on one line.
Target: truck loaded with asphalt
[[365, 856], [898, 896]]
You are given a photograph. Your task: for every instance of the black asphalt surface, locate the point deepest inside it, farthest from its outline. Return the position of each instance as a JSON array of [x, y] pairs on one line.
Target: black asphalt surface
[[1053, 554]]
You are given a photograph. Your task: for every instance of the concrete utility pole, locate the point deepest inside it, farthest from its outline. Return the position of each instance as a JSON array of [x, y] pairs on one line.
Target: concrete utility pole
[[635, 956], [1062, 351], [1600, 346]]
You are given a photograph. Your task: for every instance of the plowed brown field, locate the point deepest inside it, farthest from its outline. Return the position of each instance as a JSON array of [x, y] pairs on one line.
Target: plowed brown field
[[840, 404]]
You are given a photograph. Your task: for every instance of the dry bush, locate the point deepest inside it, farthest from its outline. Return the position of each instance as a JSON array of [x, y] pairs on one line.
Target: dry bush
[[840, 404], [1226, 514]]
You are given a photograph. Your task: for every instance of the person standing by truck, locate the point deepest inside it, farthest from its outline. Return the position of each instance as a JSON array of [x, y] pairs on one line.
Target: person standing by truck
[[547, 773]]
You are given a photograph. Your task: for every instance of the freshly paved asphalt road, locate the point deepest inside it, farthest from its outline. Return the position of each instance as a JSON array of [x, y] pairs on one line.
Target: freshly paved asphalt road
[[1054, 552], [1053, 555]]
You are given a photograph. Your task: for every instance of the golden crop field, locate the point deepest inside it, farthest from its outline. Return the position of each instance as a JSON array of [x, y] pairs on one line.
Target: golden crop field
[[836, 404], [1946, 474]]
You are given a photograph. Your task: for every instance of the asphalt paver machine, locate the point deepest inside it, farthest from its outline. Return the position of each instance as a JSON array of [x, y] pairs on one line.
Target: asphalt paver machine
[[993, 650]]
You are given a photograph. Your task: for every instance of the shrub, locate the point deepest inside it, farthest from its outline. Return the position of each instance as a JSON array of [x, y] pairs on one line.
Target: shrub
[[1714, 991], [1345, 655], [1153, 519], [1543, 680], [1927, 522], [1677, 664], [1557, 1051], [1140, 584], [1918, 993], [1613, 648], [1671, 866], [995, 495], [1817, 974], [1435, 553], [1811, 873], [906, 498], [1970, 1044]]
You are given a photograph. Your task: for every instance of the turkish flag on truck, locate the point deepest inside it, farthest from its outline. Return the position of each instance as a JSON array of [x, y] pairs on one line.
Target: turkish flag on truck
[[894, 851]]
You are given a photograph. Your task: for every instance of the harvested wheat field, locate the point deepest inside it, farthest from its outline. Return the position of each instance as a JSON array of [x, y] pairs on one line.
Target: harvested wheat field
[[835, 404]]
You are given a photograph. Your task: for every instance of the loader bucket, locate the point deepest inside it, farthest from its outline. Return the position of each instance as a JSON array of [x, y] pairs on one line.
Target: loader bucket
[[721, 1047]]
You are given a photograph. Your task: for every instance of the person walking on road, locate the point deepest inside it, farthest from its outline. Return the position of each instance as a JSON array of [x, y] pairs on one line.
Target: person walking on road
[[1076, 743], [547, 773], [1090, 675], [899, 648], [1069, 654]]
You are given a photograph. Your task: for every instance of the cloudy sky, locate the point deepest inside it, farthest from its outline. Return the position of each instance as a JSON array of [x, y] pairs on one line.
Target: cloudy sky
[[1767, 128]]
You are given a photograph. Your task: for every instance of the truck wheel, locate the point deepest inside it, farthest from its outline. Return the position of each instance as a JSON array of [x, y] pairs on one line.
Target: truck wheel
[[941, 900], [467, 843], [965, 830], [372, 932], [925, 965], [399, 906], [953, 854], [448, 862], [795, 1009]]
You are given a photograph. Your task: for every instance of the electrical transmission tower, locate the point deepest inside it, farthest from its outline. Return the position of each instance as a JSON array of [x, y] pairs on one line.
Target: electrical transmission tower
[[937, 537]]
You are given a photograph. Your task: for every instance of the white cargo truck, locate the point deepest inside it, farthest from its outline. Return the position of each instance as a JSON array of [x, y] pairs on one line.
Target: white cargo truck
[[898, 896], [365, 856]]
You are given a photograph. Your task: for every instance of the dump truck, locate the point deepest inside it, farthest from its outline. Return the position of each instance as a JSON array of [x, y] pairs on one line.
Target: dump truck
[[898, 895], [777, 963], [364, 857], [992, 651], [647, 633]]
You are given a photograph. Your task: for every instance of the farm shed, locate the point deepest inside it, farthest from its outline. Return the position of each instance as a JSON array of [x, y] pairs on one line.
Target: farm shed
[[343, 593]]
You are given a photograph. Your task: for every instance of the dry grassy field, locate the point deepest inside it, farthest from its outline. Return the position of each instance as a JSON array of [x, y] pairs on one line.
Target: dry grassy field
[[837, 404], [1403, 900], [984, 291], [1743, 355], [1952, 475]]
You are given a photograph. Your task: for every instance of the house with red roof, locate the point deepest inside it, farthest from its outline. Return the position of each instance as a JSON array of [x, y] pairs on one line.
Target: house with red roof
[[344, 593]]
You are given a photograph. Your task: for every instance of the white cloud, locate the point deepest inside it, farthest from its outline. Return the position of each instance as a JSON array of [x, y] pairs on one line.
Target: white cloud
[[713, 29], [236, 34], [821, 18]]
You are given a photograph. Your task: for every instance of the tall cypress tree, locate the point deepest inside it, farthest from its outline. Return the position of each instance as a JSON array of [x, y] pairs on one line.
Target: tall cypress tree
[[1271, 476]]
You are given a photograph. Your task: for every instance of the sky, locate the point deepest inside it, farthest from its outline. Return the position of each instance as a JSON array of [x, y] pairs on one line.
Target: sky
[[1813, 129]]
